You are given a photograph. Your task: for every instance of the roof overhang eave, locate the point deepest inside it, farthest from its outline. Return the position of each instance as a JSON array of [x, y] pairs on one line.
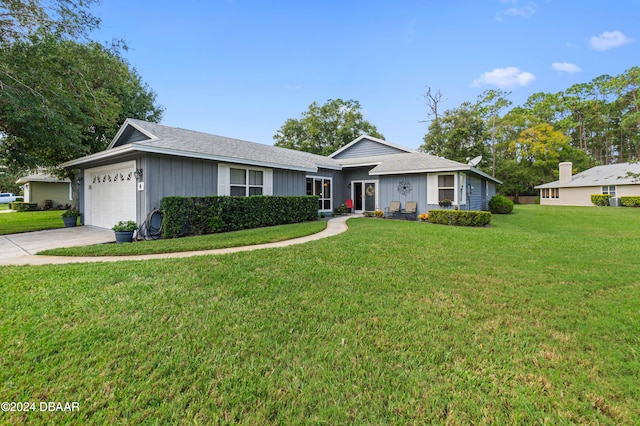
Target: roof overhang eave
[[126, 149]]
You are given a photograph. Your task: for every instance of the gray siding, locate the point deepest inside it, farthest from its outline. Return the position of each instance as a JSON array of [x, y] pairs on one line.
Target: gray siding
[[366, 148], [288, 183], [389, 191], [130, 135], [174, 176], [476, 194]]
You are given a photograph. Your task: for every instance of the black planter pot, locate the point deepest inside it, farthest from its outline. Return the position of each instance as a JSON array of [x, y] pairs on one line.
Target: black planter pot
[[124, 236], [70, 221]]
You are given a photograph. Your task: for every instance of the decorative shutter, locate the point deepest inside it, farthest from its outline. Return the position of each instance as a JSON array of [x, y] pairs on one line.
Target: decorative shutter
[[267, 183], [223, 179], [432, 189]]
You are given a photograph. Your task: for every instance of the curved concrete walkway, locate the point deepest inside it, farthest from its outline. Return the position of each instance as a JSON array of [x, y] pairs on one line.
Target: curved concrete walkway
[[335, 226]]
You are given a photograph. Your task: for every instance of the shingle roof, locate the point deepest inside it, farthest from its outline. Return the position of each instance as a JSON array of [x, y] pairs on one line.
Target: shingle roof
[[405, 163], [410, 162], [182, 140], [41, 177], [612, 174]]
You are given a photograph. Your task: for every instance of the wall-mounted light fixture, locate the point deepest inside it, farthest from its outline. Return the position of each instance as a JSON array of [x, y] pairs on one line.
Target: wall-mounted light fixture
[[138, 174]]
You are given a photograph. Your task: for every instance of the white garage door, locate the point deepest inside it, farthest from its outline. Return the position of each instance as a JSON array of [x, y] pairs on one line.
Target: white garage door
[[110, 194]]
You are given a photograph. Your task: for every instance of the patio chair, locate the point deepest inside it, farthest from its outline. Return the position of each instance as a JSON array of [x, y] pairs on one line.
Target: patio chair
[[393, 210], [410, 210]]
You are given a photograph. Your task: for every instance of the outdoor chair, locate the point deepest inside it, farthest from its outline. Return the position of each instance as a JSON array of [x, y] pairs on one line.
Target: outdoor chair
[[410, 210], [393, 210]]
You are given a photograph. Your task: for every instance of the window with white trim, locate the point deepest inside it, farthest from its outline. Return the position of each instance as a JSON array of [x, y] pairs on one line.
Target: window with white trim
[[550, 193], [609, 190], [245, 182], [446, 187], [321, 188]]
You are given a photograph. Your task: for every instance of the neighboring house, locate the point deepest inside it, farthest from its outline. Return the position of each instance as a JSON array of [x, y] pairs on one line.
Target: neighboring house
[[576, 190], [40, 187], [146, 162]]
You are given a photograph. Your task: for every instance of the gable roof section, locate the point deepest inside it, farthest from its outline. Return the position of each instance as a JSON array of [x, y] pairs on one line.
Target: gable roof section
[[410, 162], [612, 174], [41, 177], [368, 146], [143, 136]]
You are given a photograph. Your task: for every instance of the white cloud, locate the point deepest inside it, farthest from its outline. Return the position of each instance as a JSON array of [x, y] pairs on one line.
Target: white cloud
[[566, 67], [505, 78], [609, 40], [521, 11], [517, 10]]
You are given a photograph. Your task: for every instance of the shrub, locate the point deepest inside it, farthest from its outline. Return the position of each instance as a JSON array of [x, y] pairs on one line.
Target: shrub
[[341, 209], [630, 201], [500, 205], [460, 217], [600, 199], [20, 206], [205, 215], [369, 214], [71, 213]]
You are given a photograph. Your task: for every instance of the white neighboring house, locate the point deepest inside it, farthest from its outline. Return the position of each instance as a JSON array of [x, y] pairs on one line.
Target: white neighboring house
[[576, 190]]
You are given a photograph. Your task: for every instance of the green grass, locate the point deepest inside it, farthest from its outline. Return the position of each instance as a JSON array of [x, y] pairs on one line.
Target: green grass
[[13, 223], [4, 206], [269, 234], [532, 321]]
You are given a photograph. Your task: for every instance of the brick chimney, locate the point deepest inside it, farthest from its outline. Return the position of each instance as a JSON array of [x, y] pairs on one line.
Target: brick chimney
[[566, 172]]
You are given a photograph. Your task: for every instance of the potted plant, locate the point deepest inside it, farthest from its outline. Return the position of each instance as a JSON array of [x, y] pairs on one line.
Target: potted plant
[[70, 217], [124, 231]]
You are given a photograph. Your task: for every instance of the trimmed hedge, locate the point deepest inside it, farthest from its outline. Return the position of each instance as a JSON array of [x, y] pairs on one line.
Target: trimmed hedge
[[600, 199], [630, 201], [460, 217], [499, 204], [20, 206], [182, 216]]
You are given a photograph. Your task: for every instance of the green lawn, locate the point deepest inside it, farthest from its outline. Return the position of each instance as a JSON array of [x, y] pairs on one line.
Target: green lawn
[[16, 222], [531, 321], [270, 234]]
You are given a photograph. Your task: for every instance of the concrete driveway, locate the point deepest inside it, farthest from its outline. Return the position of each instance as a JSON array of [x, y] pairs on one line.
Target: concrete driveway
[[13, 247]]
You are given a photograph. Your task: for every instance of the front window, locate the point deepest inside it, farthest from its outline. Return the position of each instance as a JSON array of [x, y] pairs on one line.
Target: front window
[[245, 182], [446, 188], [321, 188], [609, 190], [550, 193]]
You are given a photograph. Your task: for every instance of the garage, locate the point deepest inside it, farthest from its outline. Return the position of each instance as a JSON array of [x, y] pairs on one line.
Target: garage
[[110, 194]]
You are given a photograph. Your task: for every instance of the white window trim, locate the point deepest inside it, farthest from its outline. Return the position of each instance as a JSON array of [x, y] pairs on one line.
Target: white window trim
[[453, 188], [330, 209], [224, 178], [608, 190]]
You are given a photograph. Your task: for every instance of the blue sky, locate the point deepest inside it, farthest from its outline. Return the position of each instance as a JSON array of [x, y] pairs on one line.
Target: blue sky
[[241, 68]]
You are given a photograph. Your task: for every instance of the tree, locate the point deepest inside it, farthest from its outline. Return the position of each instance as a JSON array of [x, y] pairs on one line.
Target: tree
[[69, 102], [533, 158], [32, 19], [324, 129], [490, 103], [458, 135]]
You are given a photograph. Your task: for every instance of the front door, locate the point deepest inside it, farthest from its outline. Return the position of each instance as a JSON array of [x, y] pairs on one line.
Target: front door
[[365, 196]]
